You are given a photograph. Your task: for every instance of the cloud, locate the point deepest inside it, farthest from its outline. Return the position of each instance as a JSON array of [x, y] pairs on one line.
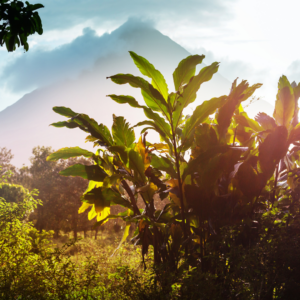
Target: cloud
[[231, 68], [59, 14], [40, 67]]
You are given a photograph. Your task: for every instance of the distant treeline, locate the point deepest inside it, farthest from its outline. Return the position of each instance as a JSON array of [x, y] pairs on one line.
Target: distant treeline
[[60, 195]]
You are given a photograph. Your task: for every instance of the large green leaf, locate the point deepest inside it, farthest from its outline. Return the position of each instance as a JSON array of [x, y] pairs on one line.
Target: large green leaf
[[66, 153], [122, 133], [238, 94], [186, 70], [154, 126], [296, 89], [85, 123], [199, 115], [205, 138], [105, 197], [163, 164], [294, 134], [67, 124], [147, 69], [64, 111], [94, 173], [159, 121], [243, 119], [136, 164], [125, 99], [190, 90], [153, 98], [285, 103], [249, 180], [273, 148], [266, 122], [121, 150], [193, 164], [99, 131]]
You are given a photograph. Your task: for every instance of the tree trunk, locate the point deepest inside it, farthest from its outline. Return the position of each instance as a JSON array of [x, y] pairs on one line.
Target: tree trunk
[[96, 233], [75, 233]]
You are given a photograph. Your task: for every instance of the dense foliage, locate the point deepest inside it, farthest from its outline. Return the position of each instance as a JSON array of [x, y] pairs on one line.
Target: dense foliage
[[229, 228], [223, 196]]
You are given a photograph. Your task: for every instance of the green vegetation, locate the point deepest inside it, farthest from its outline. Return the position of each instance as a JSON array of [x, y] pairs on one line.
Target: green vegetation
[[18, 22], [229, 225]]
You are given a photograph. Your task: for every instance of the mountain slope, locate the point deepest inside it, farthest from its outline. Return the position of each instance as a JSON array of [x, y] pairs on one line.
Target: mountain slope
[[25, 124]]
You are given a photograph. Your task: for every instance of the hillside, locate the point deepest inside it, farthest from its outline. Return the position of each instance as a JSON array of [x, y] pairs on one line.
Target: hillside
[[25, 124]]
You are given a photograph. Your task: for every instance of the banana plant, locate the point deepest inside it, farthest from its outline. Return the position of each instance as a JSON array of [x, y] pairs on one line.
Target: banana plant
[[164, 111], [124, 170], [273, 145], [223, 182]]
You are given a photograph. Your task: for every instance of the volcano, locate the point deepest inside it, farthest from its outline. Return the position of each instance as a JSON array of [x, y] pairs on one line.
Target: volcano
[[25, 124]]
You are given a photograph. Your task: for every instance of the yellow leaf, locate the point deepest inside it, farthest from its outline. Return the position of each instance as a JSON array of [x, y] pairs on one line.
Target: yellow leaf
[[125, 235], [148, 191], [142, 225], [83, 207], [160, 146], [172, 183], [141, 149], [92, 213], [103, 214]]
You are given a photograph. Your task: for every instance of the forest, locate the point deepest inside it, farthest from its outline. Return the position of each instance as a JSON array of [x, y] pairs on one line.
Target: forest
[[208, 211]]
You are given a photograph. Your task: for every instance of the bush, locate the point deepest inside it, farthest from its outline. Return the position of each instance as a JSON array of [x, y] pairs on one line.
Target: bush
[[30, 267]]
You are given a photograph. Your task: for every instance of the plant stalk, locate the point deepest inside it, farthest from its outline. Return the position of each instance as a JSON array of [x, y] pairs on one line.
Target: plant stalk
[[179, 181], [131, 196], [275, 184]]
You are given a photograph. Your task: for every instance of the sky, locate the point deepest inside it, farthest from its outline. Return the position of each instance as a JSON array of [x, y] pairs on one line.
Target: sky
[[254, 40]]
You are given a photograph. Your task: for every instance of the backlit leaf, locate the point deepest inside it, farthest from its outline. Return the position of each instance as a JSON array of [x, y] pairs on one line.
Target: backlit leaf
[[64, 111], [243, 119], [285, 103], [83, 207], [159, 121], [152, 96], [238, 94], [188, 94], [193, 164], [267, 122], [123, 135], [186, 70], [273, 148], [87, 172], [66, 153], [125, 99], [69, 124], [137, 165], [147, 69], [163, 164], [199, 115], [141, 149]]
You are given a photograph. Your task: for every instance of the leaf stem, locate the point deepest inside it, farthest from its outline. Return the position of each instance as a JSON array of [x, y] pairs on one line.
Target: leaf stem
[[275, 184], [179, 179], [131, 196]]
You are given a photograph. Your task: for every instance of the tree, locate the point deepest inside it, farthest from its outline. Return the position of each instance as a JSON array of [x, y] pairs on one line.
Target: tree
[[18, 22], [60, 195], [5, 158]]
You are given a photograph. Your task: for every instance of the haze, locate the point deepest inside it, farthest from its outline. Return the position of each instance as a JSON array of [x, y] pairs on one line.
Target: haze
[[82, 44]]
